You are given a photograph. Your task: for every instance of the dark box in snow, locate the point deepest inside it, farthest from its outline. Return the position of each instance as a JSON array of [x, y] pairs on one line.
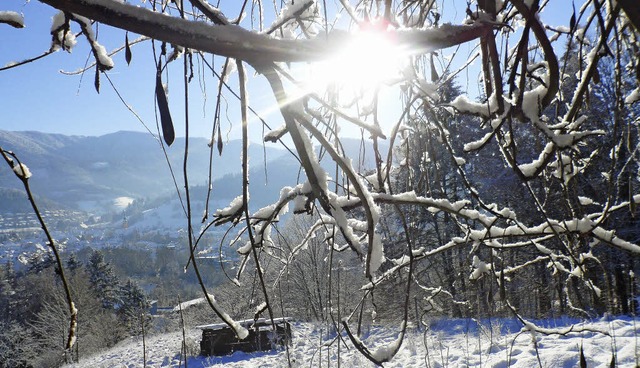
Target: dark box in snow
[[220, 339]]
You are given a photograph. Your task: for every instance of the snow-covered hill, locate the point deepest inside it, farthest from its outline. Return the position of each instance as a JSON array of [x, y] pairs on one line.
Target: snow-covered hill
[[90, 173], [449, 343], [87, 172]]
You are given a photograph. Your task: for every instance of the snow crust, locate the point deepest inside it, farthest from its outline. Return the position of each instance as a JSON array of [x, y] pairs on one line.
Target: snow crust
[[385, 352], [466, 344]]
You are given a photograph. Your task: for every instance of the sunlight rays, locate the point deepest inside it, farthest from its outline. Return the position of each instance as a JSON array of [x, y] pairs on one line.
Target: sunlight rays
[[371, 59]]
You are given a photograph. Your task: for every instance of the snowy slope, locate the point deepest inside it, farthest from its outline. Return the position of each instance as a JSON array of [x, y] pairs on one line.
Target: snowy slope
[[446, 344], [88, 172]]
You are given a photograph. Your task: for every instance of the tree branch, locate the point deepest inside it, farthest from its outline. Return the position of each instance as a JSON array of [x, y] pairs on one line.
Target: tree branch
[[22, 172], [255, 48]]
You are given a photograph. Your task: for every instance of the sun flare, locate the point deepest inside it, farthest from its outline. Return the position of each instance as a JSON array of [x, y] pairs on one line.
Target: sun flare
[[369, 60]]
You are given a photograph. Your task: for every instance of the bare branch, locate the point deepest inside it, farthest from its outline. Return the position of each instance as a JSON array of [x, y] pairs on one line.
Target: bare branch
[[236, 42]]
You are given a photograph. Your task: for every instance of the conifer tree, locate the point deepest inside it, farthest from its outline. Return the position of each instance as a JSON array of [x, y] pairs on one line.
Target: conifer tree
[[134, 307], [104, 280]]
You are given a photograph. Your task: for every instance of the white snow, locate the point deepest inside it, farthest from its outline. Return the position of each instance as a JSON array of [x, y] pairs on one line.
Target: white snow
[[377, 253], [472, 146], [57, 21], [449, 343], [384, 353], [68, 39], [12, 18], [74, 325], [531, 100], [122, 202], [300, 9], [585, 201], [246, 248], [289, 11], [103, 59], [22, 171], [232, 209], [633, 96], [529, 170], [275, 134], [464, 105], [479, 268], [190, 303]]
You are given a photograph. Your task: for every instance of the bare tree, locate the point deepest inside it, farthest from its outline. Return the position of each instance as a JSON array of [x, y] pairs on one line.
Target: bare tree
[[98, 327], [525, 118]]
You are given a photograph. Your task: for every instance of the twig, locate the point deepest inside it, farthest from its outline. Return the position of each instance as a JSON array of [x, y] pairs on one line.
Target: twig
[[22, 173]]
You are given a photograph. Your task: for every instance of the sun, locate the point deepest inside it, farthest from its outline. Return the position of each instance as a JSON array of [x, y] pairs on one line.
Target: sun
[[371, 59]]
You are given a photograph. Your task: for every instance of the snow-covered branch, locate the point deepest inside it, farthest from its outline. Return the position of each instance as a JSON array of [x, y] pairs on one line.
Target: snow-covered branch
[[234, 41]]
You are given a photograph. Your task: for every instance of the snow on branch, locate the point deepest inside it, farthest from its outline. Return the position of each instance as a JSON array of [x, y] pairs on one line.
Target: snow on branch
[[22, 171], [12, 18], [576, 328], [103, 60], [63, 37], [233, 41], [490, 230], [231, 213]]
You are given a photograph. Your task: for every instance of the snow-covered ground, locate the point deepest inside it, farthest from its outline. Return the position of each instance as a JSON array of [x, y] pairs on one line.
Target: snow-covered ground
[[449, 343]]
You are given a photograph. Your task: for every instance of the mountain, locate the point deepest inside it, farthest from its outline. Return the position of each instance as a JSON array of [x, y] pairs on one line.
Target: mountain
[[266, 181], [90, 172]]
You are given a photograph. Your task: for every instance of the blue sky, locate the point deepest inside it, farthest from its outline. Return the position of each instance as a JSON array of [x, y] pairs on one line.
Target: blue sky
[[37, 96]]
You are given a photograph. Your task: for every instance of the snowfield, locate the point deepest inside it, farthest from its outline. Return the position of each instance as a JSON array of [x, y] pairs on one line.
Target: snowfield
[[447, 343]]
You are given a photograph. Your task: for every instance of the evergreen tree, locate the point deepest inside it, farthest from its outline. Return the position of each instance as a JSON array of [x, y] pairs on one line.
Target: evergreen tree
[[39, 262], [7, 291], [104, 280], [73, 263], [134, 307]]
